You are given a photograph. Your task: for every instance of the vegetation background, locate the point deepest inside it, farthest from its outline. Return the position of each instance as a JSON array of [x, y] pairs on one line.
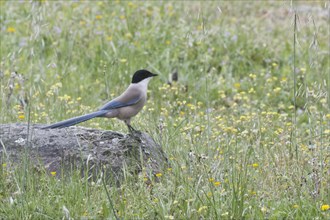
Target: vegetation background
[[246, 127]]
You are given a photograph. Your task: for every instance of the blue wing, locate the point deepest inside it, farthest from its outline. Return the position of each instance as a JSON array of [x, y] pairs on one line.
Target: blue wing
[[119, 104]]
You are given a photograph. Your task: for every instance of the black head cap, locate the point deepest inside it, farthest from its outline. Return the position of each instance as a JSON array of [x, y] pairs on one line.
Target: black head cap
[[141, 75]]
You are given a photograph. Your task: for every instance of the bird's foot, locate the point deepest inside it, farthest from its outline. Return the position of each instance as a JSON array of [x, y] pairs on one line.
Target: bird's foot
[[132, 130], [134, 133]]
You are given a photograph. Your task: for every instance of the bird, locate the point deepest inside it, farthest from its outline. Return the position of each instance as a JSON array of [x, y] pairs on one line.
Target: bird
[[124, 107]]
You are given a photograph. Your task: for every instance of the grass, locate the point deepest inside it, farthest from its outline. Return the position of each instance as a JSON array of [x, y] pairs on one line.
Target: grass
[[241, 143]]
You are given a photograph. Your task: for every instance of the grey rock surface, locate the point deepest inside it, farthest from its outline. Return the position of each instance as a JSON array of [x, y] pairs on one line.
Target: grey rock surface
[[88, 150]]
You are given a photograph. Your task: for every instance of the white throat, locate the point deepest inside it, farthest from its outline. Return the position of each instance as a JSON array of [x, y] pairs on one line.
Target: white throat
[[144, 83]]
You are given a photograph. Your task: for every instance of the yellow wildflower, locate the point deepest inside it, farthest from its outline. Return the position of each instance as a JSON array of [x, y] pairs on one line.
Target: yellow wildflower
[[323, 101], [325, 207], [243, 118], [279, 131], [269, 80], [277, 90], [53, 173], [191, 106], [131, 4], [98, 17], [251, 90], [295, 206], [237, 85], [11, 30], [17, 86], [123, 60], [255, 165], [253, 193], [202, 208], [128, 35], [159, 174], [217, 183], [230, 130], [64, 98], [253, 76]]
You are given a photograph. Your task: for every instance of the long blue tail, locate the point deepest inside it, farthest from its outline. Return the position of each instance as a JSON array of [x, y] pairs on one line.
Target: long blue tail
[[76, 120]]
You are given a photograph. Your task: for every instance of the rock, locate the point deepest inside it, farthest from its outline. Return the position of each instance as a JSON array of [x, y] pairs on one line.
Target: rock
[[88, 150]]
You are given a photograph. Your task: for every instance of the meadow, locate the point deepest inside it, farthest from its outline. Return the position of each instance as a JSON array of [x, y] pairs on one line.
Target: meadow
[[246, 127]]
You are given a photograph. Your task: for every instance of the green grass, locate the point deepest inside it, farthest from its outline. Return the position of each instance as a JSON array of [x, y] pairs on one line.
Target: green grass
[[238, 147]]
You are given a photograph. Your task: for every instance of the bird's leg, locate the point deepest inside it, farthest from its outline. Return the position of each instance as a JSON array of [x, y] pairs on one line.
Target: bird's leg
[[129, 126], [134, 133]]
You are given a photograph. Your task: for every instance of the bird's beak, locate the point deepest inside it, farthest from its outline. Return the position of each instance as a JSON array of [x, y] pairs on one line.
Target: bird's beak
[[154, 74]]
